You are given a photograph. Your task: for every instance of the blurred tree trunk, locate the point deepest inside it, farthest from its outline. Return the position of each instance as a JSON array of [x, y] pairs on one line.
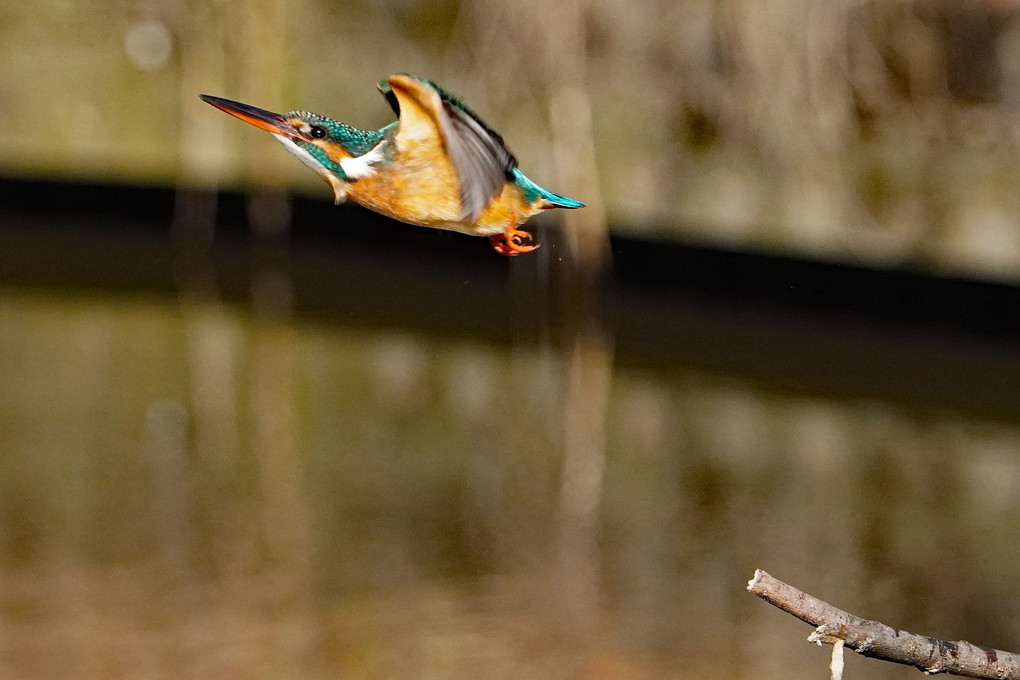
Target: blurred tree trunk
[[590, 367]]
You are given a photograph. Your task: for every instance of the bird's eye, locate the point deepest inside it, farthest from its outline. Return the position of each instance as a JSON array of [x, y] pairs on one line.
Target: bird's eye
[[317, 132]]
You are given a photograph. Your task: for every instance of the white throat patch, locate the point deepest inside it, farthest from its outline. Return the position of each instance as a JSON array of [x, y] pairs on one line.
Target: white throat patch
[[363, 165]]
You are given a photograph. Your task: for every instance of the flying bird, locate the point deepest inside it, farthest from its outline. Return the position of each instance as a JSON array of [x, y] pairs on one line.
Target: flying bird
[[438, 165]]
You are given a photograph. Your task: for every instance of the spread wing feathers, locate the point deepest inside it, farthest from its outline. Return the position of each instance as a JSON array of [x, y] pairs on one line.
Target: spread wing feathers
[[483, 164]]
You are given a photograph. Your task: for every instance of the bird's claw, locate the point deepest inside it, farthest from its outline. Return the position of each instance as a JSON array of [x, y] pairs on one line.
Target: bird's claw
[[510, 242]]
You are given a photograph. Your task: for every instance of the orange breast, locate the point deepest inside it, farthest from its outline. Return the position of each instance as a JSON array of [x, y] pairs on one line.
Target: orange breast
[[421, 187]]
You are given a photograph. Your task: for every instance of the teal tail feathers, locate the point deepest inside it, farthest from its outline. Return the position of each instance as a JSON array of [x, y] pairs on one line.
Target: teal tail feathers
[[533, 192], [561, 201]]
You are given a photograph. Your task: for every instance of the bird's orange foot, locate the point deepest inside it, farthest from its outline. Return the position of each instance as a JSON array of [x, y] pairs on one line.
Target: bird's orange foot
[[510, 243]]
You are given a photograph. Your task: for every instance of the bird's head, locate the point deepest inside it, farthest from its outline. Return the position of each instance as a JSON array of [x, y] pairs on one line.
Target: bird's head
[[336, 152]]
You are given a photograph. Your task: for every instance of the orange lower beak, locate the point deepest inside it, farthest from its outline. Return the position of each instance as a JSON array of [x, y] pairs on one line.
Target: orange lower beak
[[260, 118]]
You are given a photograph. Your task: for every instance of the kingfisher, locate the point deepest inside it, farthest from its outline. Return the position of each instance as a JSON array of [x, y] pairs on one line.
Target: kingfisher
[[438, 165]]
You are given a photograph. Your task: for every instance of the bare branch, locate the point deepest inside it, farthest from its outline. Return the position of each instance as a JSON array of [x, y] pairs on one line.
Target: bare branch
[[879, 641]]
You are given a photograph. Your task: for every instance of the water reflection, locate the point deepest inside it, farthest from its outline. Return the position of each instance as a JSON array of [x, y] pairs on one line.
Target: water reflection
[[188, 490]]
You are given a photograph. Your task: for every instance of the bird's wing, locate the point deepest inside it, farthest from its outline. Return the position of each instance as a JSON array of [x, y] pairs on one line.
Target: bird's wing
[[482, 163]]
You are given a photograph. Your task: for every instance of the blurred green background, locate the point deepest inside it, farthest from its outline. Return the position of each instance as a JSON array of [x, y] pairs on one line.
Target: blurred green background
[[873, 131], [195, 487]]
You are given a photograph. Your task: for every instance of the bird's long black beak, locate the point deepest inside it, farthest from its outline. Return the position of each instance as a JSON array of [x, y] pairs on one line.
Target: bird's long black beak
[[260, 118]]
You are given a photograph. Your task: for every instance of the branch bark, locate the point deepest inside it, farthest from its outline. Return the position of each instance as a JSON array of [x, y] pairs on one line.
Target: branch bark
[[879, 641]]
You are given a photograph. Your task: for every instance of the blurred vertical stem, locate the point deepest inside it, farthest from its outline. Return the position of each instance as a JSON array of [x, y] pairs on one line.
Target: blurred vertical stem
[[213, 338], [265, 71], [252, 38], [203, 149], [570, 117], [590, 368]]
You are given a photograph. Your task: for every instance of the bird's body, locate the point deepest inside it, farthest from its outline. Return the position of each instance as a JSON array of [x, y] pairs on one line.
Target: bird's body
[[437, 166]]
